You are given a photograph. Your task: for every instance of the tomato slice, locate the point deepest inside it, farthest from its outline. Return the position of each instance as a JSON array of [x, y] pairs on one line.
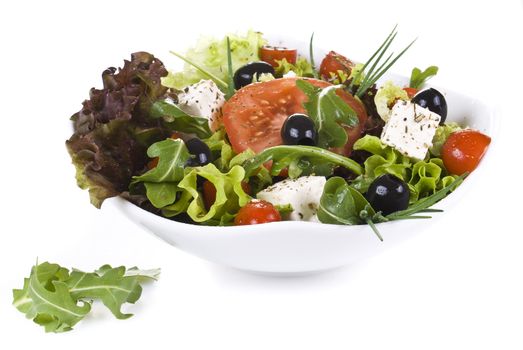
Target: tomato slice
[[334, 62], [271, 54], [463, 151], [253, 117]]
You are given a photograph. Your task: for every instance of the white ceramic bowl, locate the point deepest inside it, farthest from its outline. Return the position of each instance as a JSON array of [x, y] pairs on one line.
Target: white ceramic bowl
[[304, 247]]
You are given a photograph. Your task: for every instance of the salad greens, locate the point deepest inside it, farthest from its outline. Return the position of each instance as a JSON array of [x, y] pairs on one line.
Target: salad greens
[[301, 160], [130, 140], [177, 120], [422, 177], [113, 129], [329, 113], [213, 55], [302, 67], [57, 299], [418, 77]]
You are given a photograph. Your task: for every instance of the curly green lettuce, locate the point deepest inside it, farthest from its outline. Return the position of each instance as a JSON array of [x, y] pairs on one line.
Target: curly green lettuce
[[423, 178], [442, 134], [211, 54], [173, 187], [386, 96], [302, 68]]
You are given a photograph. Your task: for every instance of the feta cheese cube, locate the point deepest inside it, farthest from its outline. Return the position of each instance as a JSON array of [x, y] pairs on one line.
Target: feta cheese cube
[[303, 194], [203, 99], [410, 129]]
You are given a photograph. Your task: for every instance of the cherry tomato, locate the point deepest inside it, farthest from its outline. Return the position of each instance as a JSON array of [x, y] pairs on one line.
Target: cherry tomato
[[463, 151], [334, 62], [410, 91], [257, 212], [253, 117], [271, 54], [209, 192]]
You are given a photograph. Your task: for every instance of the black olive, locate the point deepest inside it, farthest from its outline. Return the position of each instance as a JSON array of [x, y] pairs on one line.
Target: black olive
[[434, 101], [200, 151], [244, 75], [388, 194], [298, 129]]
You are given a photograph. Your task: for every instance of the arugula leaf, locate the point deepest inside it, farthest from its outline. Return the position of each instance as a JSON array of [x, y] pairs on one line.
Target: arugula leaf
[[329, 113], [160, 182], [110, 285], [54, 309], [178, 120], [300, 160], [57, 299], [342, 204], [418, 78]]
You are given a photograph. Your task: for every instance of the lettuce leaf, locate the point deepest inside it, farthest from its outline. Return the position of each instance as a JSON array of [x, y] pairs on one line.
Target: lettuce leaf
[[302, 68], [113, 129], [423, 178], [211, 54], [230, 196], [173, 187], [386, 96], [160, 182], [442, 134]]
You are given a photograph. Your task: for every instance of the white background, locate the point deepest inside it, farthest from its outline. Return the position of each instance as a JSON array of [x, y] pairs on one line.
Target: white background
[[456, 286]]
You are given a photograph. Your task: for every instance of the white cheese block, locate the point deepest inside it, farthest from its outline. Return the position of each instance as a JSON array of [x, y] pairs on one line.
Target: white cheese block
[[203, 99], [303, 194], [410, 129]]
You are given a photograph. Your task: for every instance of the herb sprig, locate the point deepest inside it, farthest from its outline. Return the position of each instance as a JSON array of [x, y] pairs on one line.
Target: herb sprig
[[377, 67]]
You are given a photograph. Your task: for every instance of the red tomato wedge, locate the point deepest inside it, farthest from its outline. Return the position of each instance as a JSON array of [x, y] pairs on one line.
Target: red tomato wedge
[[253, 117]]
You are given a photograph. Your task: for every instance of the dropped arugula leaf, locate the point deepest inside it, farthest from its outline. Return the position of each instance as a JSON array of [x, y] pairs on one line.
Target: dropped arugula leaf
[[329, 113], [418, 78], [301, 160], [178, 120], [110, 285], [52, 307], [57, 300]]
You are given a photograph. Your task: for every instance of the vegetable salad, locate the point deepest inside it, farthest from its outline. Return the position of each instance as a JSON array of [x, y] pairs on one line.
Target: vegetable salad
[[249, 133]]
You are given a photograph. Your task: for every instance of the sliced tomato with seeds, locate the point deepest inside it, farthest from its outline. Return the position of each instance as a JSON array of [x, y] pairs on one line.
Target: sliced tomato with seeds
[[253, 117]]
